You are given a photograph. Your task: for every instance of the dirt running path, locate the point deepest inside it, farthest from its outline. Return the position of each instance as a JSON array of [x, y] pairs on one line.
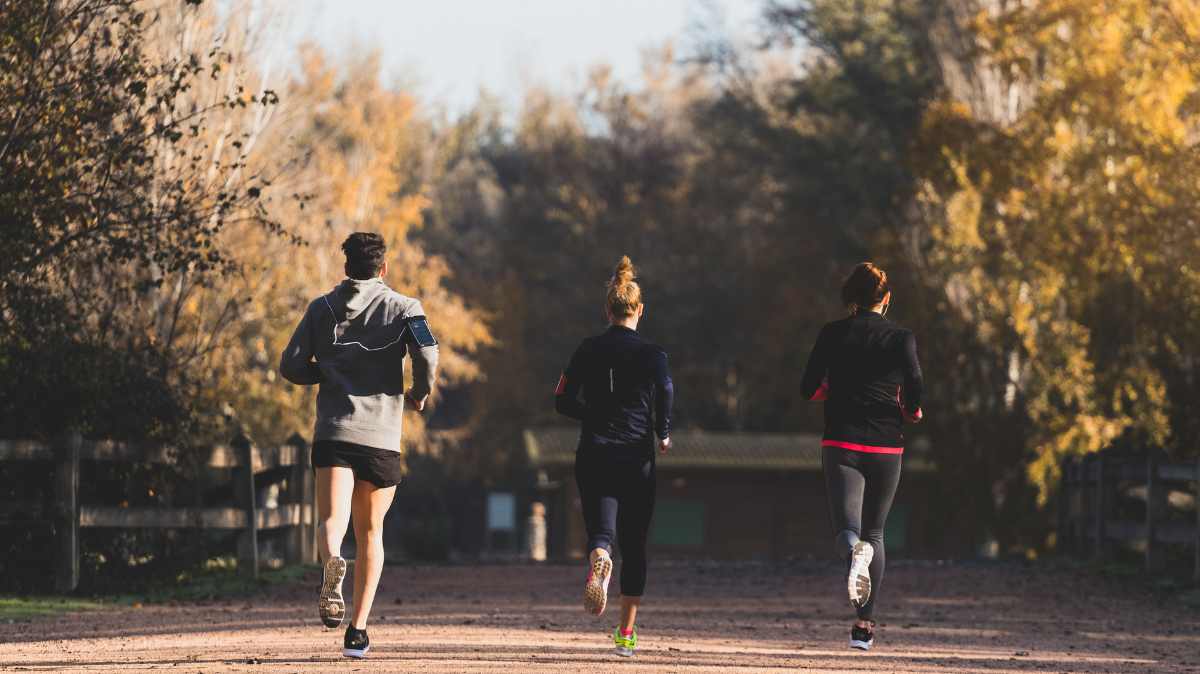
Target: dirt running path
[[700, 618]]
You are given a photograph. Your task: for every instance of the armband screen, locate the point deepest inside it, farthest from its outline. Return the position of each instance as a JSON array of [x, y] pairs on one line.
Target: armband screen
[[418, 327]]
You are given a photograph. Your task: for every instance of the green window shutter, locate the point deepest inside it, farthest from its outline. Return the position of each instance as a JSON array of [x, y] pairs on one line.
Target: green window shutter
[[895, 532], [678, 522]]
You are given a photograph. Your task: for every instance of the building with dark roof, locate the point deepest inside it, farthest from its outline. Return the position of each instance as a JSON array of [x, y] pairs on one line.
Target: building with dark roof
[[745, 496]]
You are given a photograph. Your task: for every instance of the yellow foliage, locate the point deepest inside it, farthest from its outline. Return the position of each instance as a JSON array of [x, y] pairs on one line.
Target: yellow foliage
[[1075, 200], [355, 152]]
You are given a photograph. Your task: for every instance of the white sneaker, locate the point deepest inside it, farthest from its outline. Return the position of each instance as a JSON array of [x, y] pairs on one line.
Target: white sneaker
[[595, 592], [331, 605], [858, 582]]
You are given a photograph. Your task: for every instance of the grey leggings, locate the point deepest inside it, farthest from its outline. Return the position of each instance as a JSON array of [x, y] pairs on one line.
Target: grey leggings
[[861, 487]]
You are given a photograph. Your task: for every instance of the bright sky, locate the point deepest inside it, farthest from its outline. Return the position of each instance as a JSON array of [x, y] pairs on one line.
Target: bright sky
[[451, 48]]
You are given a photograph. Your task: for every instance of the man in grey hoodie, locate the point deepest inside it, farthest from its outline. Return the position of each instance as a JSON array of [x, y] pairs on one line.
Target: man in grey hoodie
[[352, 342]]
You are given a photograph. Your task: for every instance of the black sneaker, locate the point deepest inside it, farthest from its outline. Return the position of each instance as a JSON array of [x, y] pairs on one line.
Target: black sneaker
[[862, 637], [356, 643]]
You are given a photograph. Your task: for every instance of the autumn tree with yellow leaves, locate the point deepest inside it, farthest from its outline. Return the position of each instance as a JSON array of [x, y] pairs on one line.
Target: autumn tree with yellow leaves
[[1066, 233], [363, 152], [1026, 172]]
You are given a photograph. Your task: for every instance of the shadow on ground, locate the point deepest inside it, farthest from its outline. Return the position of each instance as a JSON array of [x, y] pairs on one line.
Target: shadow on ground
[[697, 617]]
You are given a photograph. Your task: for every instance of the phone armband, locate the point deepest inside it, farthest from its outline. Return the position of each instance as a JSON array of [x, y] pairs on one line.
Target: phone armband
[[418, 328]]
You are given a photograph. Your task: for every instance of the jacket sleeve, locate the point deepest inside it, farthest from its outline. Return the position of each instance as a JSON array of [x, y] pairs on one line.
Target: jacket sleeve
[[914, 381], [297, 363], [566, 396], [424, 358], [815, 383], [664, 395]]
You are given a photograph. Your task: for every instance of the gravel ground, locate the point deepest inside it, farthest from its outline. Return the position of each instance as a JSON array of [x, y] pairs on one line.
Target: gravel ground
[[697, 618]]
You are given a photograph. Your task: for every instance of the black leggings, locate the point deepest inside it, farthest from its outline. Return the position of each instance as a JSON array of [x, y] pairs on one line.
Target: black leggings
[[618, 502], [861, 486]]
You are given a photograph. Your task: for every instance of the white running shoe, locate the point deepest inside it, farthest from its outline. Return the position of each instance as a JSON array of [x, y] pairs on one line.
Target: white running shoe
[[858, 582], [595, 592], [331, 605]]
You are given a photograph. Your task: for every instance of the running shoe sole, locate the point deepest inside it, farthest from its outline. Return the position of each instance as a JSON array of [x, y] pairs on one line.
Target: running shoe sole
[[623, 652], [595, 593], [858, 582], [331, 605], [861, 645], [355, 653]]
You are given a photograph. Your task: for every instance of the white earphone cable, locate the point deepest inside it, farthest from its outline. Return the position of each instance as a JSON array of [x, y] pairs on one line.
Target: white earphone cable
[[358, 344]]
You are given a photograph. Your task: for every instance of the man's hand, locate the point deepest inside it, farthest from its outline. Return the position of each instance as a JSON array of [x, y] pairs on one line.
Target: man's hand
[[664, 445], [915, 417], [417, 405]]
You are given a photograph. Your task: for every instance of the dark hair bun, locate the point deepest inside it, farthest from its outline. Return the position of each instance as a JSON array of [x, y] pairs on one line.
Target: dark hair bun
[[866, 286]]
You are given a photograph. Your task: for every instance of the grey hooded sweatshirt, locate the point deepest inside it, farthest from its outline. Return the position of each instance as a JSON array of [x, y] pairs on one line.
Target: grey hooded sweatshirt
[[352, 342]]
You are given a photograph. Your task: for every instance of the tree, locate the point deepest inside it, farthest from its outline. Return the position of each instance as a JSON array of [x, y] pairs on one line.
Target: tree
[[1066, 234], [93, 221], [358, 152]]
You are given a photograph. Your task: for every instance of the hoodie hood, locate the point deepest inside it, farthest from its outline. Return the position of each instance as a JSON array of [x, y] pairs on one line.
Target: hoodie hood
[[352, 296], [351, 343]]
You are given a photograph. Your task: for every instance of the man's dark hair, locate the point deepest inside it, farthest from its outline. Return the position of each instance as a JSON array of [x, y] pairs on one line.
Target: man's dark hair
[[364, 255]]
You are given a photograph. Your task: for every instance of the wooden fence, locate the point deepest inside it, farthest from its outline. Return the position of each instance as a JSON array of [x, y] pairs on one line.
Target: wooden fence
[[1141, 501], [253, 471]]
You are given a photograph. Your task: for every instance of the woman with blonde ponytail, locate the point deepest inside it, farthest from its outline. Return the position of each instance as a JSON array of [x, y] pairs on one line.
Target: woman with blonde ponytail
[[619, 386]]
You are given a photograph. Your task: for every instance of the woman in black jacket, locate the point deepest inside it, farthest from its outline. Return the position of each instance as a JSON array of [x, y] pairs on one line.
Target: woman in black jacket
[[866, 370], [619, 386]]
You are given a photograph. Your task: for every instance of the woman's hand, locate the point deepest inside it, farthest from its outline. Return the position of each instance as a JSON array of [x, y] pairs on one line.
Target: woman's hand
[[664, 445], [915, 417], [417, 405]]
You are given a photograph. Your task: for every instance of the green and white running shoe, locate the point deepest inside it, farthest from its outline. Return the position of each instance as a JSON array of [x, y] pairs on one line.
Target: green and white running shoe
[[625, 644], [331, 605]]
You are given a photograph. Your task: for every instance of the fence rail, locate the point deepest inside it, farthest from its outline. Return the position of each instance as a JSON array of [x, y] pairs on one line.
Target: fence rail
[[1097, 491], [253, 470]]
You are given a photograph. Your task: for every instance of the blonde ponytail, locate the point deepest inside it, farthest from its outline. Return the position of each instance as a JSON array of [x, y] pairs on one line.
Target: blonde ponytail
[[624, 293]]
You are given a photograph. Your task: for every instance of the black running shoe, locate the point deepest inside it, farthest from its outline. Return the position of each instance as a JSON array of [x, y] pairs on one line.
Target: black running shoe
[[862, 638], [356, 643]]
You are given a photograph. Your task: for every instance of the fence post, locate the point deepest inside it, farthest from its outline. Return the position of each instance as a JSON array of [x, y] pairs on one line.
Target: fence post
[[1100, 551], [1196, 570], [1066, 535], [1152, 497], [244, 497], [66, 512], [299, 540], [1079, 494], [1064, 502], [310, 501]]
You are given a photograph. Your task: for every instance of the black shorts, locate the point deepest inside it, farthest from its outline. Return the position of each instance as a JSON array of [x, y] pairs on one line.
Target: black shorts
[[380, 467]]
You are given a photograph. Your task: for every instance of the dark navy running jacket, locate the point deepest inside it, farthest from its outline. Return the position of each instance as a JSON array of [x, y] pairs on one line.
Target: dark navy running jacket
[[619, 386]]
